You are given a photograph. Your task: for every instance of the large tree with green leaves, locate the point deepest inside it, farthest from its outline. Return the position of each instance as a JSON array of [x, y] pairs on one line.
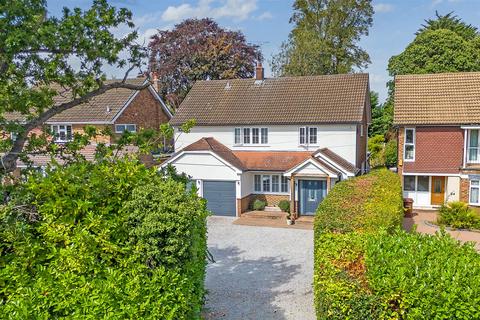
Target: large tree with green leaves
[[71, 51], [325, 38]]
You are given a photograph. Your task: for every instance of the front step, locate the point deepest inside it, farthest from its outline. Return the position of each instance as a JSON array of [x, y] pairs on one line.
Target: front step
[[272, 215], [272, 209]]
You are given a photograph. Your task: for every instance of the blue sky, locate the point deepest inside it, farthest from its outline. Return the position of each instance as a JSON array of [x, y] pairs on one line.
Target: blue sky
[[265, 22]]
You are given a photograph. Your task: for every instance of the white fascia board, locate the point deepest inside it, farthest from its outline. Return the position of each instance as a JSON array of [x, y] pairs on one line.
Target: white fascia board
[[335, 165], [431, 174], [309, 161]]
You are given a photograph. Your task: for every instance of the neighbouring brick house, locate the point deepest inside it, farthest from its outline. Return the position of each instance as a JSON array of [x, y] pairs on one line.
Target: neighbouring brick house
[[119, 109], [438, 121], [289, 138]]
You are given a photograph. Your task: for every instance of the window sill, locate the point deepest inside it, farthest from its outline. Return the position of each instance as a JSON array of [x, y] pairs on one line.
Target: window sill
[[251, 145]]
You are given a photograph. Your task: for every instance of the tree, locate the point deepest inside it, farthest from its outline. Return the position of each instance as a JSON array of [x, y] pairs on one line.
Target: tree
[[199, 49], [324, 38], [381, 116], [37, 50]]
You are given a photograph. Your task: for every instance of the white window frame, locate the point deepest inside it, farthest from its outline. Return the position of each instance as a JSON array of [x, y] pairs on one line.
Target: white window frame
[[125, 126], [469, 131], [280, 178], [307, 136], [262, 139], [409, 144], [56, 133], [470, 192], [429, 189]]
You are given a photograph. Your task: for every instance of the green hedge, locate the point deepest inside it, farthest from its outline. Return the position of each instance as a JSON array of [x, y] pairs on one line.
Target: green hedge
[[368, 268], [109, 241], [364, 203]]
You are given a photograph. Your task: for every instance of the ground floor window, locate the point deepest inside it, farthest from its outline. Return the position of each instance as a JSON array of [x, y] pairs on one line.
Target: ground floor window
[[416, 183], [270, 183], [474, 191]]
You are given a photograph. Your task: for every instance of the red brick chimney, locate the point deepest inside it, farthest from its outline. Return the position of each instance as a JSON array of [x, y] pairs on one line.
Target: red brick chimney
[[259, 72]]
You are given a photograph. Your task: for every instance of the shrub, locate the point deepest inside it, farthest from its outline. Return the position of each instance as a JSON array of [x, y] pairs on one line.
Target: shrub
[[284, 205], [259, 205], [364, 203], [376, 147], [112, 240], [391, 153], [458, 215]]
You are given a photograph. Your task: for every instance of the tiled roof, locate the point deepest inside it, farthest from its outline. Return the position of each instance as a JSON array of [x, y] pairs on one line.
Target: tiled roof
[[286, 100], [444, 98], [102, 108], [346, 165], [271, 160], [210, 144]]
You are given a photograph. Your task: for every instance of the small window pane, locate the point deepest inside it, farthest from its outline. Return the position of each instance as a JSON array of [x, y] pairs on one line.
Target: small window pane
[[409, 152], [472, 154], [255, 135], [409, 183], [258, 183], [422, 183], [312, 135], [473, 142], [475, 183], [237, 136], [275, 183], [131, 128], [474, 195], [266, 183], [302, 135], [409, 136], [284, 184], [437, 186], [246, 135], [264, 135]]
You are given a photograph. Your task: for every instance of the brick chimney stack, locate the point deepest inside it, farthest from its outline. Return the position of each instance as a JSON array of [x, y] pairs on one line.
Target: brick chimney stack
[[259, 72]]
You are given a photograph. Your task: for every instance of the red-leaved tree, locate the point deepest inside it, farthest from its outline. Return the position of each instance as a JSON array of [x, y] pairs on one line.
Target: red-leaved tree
[[199, 49]]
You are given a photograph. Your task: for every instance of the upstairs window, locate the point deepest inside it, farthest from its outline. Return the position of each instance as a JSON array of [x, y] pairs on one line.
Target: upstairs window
[[62, 133], [473, 146], [121, 128], [250, 136], [308, 135], [409, 145]]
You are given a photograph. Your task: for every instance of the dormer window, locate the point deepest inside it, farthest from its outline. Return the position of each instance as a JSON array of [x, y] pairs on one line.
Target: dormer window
[[250, 136], [62, 132]]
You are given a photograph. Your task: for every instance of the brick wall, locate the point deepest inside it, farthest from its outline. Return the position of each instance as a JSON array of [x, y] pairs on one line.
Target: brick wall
[[270, 199], [464, 190], [145, 111]]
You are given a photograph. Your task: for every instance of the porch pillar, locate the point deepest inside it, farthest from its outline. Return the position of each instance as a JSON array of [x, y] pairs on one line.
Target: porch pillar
[[328, 184], [293, 209]]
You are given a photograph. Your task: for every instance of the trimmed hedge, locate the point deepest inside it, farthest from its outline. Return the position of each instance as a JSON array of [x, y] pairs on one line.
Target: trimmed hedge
[[364, 203], [104, 241], [368, 268]]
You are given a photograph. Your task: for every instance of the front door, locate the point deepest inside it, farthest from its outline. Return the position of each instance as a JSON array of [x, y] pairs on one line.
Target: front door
[[311, 193], [438, 190]]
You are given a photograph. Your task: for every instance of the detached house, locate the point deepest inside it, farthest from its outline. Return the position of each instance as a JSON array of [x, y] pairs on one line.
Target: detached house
[[288, 138], [119, 109], [438, 121]]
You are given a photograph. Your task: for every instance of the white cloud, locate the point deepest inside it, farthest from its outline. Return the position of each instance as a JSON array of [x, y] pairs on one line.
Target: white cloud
[[264, 16], [382, 7], [236, 9], [437, 2]]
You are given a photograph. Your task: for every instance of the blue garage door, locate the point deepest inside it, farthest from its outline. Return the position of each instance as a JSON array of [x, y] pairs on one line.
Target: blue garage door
[[220, 196]]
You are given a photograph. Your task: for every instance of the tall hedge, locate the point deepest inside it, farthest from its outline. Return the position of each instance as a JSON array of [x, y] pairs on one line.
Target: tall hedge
[[109, 241], [367, 268]]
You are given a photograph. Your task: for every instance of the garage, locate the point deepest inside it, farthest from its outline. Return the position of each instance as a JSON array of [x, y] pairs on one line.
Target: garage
[[220, 196]]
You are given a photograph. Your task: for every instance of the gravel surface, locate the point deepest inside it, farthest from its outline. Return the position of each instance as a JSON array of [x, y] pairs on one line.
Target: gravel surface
[[259, 272]]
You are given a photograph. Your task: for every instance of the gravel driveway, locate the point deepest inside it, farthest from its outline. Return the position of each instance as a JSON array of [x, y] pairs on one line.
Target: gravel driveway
[[259, 272]]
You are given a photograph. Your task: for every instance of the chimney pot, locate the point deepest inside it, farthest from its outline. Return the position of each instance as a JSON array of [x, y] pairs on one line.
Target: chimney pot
[[259, 72], [155, 81]]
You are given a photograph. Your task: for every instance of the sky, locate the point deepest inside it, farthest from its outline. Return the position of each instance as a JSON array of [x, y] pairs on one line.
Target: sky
[[266, 23]]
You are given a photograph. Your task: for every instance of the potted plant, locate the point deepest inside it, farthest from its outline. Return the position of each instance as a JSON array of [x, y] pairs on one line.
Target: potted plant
[[289, 219]]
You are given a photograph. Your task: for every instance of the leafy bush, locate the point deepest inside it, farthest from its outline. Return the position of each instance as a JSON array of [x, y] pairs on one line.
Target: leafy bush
[[391, 153], [364, 203], [112, 240], [376, 147], [259, 205], [284, 205], [458, 215]]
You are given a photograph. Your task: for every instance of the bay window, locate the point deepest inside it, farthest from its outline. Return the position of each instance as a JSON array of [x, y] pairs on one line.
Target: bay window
[[308, 135], [473, 146], [409, 145], [62, 132], [270, 183]]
